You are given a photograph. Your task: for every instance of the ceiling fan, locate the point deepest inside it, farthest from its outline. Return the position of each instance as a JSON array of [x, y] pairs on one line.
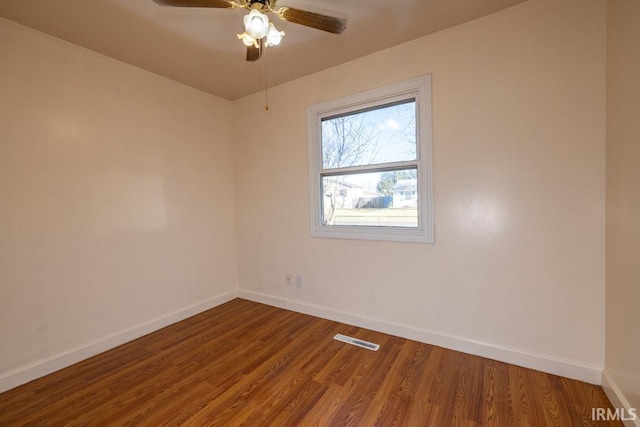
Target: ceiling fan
[[259, 32]]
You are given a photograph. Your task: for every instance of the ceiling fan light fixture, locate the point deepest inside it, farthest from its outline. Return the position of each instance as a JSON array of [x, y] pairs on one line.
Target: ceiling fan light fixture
[[256, 24], [259, 31], [274, 37]]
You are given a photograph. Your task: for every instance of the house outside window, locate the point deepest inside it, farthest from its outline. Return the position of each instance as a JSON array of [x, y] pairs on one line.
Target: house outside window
[[404, 193], [370, 164]]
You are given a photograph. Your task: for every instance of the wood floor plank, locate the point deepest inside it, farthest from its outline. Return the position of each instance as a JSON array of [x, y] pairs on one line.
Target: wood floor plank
[[421, 406], [453, 389], [554, 409], [245, 363], [325, 407], [68, 381], [174, 409], [292, 382], [396, 395], [361, 393], [466, 409], [332, 372], [442, 391], [257, 377], [497, 406]]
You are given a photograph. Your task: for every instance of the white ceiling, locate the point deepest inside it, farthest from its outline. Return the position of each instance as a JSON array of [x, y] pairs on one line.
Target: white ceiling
[[199, 47]]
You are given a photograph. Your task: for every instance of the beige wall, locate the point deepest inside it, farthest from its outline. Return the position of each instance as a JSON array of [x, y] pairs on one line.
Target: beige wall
[[115, 190], [519, 156], [622, 359]]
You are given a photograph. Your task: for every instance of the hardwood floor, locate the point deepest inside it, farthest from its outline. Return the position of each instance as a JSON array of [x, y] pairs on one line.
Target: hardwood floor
[[248, 363]]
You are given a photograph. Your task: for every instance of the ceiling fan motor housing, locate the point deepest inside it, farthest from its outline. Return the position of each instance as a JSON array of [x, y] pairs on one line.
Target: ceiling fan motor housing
[[260, 4]]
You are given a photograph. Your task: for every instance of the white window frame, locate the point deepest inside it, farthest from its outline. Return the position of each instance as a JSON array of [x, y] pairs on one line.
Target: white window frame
[[418, 88]]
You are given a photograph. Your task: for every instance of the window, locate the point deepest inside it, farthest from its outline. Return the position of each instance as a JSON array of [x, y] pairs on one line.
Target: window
[[378, 145]]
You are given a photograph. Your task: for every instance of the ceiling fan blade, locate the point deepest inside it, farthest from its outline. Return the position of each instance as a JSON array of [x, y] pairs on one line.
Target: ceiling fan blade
[[219, 4], [255, 53], [313, 20]]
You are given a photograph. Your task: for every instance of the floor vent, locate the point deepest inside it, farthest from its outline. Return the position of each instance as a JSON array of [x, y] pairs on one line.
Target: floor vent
[[357, 342]]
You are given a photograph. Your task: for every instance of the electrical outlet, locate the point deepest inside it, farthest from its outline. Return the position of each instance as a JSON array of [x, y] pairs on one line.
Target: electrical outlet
[[288, 280], [298, 281]]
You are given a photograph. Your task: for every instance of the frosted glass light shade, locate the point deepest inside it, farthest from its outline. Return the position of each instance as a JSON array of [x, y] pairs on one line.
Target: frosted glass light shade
[[274, 37], [256, 24]]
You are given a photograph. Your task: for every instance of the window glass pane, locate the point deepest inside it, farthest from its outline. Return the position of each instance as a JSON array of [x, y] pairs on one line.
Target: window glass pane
[[374, 136], [378, 199]]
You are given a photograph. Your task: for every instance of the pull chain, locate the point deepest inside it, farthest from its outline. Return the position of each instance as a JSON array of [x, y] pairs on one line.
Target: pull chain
[[266, 86], [263, 74]]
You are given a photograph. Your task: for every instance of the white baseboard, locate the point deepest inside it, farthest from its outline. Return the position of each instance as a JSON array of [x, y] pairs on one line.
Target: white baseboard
[[24, 374], [567, 368], [617, 398], [541, 362]]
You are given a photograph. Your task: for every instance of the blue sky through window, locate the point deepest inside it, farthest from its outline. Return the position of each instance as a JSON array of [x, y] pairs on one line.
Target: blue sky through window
[[385, 134]]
